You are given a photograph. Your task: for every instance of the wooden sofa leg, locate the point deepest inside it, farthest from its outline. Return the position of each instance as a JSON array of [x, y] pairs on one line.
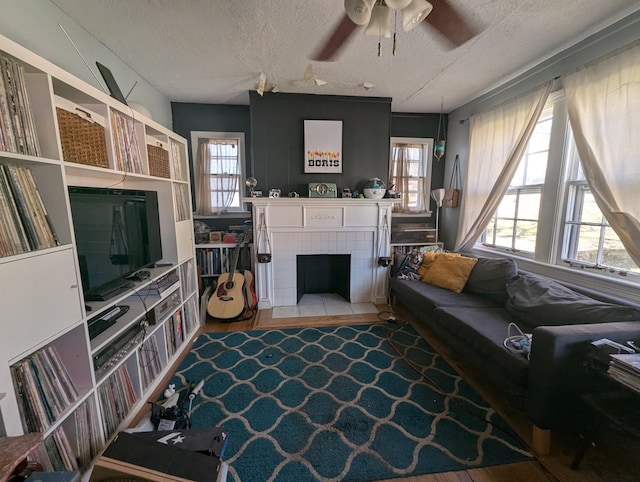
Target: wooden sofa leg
[[541, 440]]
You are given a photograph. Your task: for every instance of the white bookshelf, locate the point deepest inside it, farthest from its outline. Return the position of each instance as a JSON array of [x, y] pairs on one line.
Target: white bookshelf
[[41, 290]]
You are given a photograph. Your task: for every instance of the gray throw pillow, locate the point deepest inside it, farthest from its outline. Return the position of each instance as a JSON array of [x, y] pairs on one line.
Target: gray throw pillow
[[538, 300], [489, 278]]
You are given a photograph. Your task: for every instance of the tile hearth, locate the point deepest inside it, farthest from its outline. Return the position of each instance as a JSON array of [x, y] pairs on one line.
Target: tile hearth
[[324, 304]]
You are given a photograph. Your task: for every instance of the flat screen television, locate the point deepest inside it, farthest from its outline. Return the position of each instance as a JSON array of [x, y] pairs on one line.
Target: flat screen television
[[117, 233]]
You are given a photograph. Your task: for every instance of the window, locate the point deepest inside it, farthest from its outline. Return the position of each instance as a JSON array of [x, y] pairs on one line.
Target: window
[[589, 241], [548, 213], [410, 173], [218, 160], [515, 224]]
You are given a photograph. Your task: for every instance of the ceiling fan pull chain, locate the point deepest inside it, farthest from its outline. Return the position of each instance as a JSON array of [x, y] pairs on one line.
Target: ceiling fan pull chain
[[395, 29]]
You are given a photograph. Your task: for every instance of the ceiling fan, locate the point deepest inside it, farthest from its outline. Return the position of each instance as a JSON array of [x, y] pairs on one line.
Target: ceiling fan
[[376, 15]]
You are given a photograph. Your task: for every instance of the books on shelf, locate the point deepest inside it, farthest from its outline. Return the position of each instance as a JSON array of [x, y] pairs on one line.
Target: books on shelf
[[625, 368], [45, 389], [213, 261], [17, 126], [26, 225], [125, 144]]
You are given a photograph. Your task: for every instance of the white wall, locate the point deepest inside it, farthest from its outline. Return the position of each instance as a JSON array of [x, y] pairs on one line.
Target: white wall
[[617, 35], [34, 25]]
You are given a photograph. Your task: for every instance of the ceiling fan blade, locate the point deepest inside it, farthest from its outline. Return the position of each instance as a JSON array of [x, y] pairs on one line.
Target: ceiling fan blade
[[334, 42], [450, 23]]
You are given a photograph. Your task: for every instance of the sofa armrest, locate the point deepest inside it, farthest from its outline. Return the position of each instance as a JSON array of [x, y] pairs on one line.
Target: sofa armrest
[[558, 372]]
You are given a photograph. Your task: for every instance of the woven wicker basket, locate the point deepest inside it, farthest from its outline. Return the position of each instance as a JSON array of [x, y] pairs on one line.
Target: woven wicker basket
[[158, 161], [83, 141]]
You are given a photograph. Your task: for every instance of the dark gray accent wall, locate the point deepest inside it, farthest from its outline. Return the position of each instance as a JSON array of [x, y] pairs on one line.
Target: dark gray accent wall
[[277, 126], [274, 134]]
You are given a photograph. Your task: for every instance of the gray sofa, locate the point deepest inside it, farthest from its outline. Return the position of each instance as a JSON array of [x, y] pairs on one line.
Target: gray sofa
[[562, 318]]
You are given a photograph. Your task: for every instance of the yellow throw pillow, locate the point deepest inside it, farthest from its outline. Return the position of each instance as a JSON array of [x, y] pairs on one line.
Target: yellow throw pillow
[[450, 272], [429, 258]]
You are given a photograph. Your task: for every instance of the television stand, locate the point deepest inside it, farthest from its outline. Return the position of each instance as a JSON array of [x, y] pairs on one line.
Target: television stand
[[109, 290]]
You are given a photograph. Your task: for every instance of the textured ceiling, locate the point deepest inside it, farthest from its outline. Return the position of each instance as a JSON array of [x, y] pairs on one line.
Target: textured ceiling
[[212, 51]]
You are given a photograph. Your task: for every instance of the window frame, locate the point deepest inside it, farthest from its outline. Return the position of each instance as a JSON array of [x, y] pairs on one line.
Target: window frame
[[240, 137], [427, 147]]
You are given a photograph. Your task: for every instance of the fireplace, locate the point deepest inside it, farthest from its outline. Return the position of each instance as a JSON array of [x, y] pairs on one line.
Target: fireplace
[[323, 273], [357, 228]]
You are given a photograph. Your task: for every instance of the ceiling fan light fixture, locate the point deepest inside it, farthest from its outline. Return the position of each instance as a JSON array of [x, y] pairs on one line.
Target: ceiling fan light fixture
[[397, 4], [380, 23], [359, 11], [414, 13]]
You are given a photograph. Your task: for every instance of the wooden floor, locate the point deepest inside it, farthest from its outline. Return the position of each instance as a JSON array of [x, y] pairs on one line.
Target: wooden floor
[[600, 464]]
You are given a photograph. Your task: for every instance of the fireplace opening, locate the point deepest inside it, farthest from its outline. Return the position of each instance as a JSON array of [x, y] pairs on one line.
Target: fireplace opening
[[324, 273]]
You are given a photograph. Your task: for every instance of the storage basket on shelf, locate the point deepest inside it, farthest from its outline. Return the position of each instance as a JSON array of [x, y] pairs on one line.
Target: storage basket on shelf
[[158, 160], [82, 135]]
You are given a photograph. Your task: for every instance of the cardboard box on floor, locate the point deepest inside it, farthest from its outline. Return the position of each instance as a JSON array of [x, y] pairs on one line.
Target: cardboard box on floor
[[145, 458]]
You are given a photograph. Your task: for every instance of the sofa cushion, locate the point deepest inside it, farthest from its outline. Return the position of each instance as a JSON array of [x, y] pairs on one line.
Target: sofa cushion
[[422, 298], [450, 272], [428, 259], [483, 331], [538, 300], [489, 278]]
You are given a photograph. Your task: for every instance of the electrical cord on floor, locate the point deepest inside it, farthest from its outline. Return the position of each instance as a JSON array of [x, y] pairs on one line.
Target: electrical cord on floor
[[454, 398]]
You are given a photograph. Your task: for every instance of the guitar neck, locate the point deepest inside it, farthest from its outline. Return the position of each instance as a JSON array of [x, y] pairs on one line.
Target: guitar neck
[[234, 261]]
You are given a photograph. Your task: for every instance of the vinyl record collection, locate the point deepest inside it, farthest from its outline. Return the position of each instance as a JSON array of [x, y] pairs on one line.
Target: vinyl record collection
[[59, 453], [55, 453], [150, 363], [26, 225], [17, 126], [181, 200], [174, 332], [117, 397], [178, 167], [187, 278], [191, 313], [45, 389], [125, 144]]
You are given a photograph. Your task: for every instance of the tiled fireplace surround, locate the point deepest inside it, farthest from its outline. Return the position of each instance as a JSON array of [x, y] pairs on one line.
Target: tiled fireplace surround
[[359, 227]]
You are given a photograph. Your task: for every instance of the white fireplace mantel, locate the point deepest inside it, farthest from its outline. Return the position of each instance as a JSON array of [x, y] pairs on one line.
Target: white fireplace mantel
[[288, 227]]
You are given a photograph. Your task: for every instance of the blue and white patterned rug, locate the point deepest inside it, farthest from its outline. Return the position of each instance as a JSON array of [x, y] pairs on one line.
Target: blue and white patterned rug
[[339, 403]]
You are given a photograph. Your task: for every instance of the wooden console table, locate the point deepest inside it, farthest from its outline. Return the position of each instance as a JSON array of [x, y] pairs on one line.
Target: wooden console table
[[13, 451]]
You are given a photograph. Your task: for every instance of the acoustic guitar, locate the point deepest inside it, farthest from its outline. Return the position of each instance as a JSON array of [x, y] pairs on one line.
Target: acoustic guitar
[[228, 300]]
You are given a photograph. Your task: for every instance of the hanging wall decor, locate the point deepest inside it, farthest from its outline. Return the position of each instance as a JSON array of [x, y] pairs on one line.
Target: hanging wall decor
[[438, 148], [322, 146], [453, 192]]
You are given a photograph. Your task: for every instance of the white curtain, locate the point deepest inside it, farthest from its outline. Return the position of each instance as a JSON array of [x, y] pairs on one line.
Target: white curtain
[[217, 175], [603, 101], [409, 174], [498, 139]]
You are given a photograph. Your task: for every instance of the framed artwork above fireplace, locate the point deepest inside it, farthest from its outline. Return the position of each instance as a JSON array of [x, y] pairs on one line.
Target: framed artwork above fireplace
[[322, 146]]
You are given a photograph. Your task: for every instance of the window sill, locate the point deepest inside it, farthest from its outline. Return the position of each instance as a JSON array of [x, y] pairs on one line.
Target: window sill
[[233, 214], [428, 214]]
